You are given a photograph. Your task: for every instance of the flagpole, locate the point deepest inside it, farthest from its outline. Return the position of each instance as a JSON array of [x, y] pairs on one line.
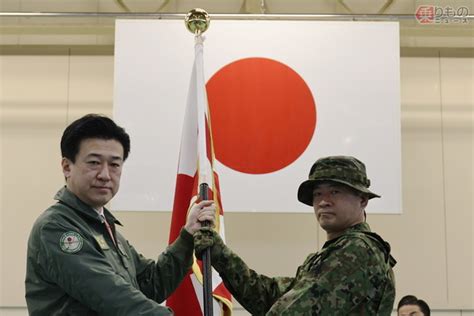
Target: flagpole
[[206, 265], [197, 22]]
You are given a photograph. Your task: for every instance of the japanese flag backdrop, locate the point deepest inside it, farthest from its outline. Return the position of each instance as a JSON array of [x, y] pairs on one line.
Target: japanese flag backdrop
[[281, 95]]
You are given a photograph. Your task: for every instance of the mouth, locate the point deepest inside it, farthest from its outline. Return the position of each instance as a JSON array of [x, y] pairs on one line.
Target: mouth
[[326, 214], [102, 188]]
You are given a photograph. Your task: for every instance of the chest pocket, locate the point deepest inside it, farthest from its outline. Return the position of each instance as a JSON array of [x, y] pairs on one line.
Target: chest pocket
[[127, 263], [123, 255]]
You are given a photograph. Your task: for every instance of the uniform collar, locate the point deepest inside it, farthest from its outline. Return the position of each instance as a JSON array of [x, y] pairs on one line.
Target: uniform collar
[[361, 227], [70, 199], [364, 228]]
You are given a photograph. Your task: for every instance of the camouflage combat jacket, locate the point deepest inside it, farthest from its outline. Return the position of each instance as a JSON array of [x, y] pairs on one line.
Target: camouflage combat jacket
[[74, 267], [351, 275]]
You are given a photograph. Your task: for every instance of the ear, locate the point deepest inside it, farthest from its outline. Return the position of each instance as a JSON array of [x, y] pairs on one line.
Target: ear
[[66, 166], [364, 201]]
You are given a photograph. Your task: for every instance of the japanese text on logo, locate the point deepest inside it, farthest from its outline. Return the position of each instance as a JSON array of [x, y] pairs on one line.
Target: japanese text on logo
[[430, 14]]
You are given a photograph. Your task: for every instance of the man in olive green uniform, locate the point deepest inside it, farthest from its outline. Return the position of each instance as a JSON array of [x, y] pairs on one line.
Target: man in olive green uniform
[[351, 274], [77, 262]]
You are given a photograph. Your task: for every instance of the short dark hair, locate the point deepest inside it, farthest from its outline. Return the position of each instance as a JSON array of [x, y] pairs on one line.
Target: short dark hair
[[92, 126], [413, 300]]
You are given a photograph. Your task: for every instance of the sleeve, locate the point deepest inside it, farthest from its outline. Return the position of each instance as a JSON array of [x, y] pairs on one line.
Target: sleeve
[[85, 274], [342, 281], [255, 292], [159, 280]]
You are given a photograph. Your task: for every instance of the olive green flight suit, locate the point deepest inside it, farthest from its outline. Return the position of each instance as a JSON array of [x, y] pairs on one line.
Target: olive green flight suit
[[75, 268]]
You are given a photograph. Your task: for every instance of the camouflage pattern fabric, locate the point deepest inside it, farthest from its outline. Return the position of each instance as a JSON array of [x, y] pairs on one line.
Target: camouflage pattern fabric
[[346, 170], [351, 275]]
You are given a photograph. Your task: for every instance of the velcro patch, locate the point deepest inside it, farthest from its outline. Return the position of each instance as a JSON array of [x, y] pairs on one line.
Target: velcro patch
[[101, 241], [71, 242]]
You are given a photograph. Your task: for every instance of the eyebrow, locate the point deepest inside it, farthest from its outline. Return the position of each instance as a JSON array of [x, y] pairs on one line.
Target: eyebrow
[[100, 156]]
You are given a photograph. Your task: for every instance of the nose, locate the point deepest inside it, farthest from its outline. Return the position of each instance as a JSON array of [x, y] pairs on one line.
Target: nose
[[104, 173], [323, 200]]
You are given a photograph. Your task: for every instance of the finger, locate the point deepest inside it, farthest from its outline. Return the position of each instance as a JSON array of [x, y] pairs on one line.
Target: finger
[[202, 206], [207, 211], [206, 214], [205, 203], [204, 232], [209, 219]]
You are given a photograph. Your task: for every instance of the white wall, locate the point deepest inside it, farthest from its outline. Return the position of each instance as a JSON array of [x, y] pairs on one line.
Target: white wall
[[44, 88]]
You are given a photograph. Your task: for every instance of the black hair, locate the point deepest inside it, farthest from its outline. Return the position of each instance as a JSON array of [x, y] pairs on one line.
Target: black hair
[[413, 300], [92, 126]]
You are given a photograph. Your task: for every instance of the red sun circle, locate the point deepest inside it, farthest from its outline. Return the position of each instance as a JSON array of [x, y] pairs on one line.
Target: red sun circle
[[263, 115]]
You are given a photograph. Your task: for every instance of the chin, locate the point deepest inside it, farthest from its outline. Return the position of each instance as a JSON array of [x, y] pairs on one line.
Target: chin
[[328, 226], [101, 202], [324, 226]]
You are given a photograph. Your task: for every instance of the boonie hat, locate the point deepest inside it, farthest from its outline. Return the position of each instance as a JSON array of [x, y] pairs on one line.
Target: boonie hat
[[341, 169]]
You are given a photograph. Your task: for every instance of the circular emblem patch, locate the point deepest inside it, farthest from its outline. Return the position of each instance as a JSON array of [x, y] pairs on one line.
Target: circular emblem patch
[[71, 242]]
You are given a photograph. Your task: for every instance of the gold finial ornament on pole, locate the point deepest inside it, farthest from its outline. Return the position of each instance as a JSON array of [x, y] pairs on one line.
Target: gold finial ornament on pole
[[197, 21]]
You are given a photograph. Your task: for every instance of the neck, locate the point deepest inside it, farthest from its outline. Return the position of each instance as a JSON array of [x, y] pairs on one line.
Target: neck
[[331, 235], [99, 210]]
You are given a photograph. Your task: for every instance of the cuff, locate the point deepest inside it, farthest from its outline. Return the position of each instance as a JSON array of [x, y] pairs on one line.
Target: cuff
[[186, 236], [184, 242]]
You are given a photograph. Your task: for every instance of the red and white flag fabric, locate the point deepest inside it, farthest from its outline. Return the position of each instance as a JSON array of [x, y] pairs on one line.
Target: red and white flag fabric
[[278, 100], [196, 161]]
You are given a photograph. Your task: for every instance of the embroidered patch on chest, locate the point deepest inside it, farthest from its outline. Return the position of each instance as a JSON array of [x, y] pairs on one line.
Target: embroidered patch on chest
[[71, 242]]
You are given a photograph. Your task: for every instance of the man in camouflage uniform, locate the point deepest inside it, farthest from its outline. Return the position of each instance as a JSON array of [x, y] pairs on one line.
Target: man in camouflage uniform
[[77, 262], [351, 274]]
